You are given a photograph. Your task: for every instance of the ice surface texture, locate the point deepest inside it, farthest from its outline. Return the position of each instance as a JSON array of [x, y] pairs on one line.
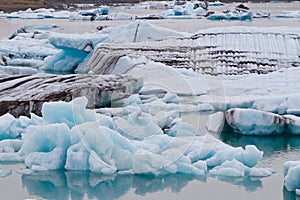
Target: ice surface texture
[[255, 122], [291, 174], [215, 51], [21, 95], [71, 137]]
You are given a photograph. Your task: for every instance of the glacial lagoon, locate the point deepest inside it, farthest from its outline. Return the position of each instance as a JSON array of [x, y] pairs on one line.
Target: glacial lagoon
[[60, 184]]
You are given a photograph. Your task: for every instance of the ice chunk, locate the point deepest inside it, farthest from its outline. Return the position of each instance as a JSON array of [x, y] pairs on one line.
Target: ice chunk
[[232, 14], [70, 113], [111, 147], [10, 145], [289, 14], [292, 175], [215, 122], [182, 129], [11, 157], [4, 173], [65, 61], [138, 126], [8, 129], [45, 147], [201, 165], [99, 166], [288, 165], [261, 172], [293, 124], [249, 157], [120, 16], [232, 168], [77, 157], [255, 122]]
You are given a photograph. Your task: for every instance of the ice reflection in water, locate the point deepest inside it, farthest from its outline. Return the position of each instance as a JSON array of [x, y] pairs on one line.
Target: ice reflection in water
[[80, 184]]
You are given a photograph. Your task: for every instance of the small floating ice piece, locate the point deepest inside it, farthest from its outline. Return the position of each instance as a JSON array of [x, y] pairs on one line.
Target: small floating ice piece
[[5, 173], [261, 172]]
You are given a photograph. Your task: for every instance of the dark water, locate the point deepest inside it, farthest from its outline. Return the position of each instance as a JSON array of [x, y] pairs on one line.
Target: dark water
[[86, 185]]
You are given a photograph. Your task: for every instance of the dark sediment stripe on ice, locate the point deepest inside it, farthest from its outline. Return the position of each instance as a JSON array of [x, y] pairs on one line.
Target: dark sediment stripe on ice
[[21, 95], [211, 53]]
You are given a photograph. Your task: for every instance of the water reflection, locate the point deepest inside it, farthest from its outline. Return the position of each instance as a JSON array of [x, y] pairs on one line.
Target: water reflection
[[87, 185], [270, 145], [250, 184], [77, 184]]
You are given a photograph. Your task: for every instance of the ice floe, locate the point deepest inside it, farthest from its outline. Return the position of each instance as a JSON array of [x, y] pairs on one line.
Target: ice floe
[[255, 122]]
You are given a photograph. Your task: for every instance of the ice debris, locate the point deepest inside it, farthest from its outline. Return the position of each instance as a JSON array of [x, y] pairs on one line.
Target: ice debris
[[5, 173], [291, 172], [142, 141]]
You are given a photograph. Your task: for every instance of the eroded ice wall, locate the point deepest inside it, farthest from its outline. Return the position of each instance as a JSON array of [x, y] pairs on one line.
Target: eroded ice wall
[[239, 50]]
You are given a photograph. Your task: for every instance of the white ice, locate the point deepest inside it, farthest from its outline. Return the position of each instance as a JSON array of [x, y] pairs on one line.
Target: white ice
[[4, 173], [255, 122], [291, 174], [293, 124]]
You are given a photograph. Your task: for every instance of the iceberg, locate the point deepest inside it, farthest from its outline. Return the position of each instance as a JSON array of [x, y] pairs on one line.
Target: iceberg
[[255, 122]]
